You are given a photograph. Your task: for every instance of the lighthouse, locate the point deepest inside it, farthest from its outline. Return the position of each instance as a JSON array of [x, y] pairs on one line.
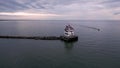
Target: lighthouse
[[69, 35], [68, 31]]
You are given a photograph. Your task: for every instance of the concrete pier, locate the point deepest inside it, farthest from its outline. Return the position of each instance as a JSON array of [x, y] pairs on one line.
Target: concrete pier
[[63, 38]]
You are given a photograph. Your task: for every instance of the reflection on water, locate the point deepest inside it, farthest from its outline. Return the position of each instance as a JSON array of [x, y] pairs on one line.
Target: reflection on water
[[69, 45]]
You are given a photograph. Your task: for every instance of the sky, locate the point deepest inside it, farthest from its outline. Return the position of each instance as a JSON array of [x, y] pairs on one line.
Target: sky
[[60, 9]]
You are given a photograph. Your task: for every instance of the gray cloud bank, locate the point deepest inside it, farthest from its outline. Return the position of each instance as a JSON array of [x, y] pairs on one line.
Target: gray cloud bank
[[74, 9]]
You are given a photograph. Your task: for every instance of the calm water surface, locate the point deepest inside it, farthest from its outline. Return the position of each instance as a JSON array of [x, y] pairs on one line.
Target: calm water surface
[[94, 49]]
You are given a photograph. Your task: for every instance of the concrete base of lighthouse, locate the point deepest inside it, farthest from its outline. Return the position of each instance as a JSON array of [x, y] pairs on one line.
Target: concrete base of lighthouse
[[69, 39]]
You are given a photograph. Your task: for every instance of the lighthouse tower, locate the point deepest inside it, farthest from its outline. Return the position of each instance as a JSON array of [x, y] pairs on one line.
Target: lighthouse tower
[[69, 31]]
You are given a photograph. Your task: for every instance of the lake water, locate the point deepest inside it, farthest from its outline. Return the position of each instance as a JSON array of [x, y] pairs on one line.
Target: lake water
[[94, 49]]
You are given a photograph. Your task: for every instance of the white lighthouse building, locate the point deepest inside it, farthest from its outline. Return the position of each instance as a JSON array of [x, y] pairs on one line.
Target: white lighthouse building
[[69, 35], [69, 31]]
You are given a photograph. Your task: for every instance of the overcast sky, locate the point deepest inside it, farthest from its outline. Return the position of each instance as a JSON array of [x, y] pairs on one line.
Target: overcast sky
[[60, 9]]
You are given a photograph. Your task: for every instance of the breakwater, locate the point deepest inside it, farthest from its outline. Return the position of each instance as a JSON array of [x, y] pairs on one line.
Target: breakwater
[[90, 27], [63, 38], [32, 37]]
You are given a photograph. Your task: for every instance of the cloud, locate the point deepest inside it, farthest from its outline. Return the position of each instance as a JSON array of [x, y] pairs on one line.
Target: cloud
[[117, 13], [19, 5], [11, 6], [65, 9], [112, 3]]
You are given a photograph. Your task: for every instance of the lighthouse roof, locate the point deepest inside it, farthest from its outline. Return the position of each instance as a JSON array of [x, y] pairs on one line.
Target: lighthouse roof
[[68, 28]]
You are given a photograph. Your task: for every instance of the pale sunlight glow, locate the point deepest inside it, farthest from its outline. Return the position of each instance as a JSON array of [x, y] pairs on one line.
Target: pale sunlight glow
[[26, 14]]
